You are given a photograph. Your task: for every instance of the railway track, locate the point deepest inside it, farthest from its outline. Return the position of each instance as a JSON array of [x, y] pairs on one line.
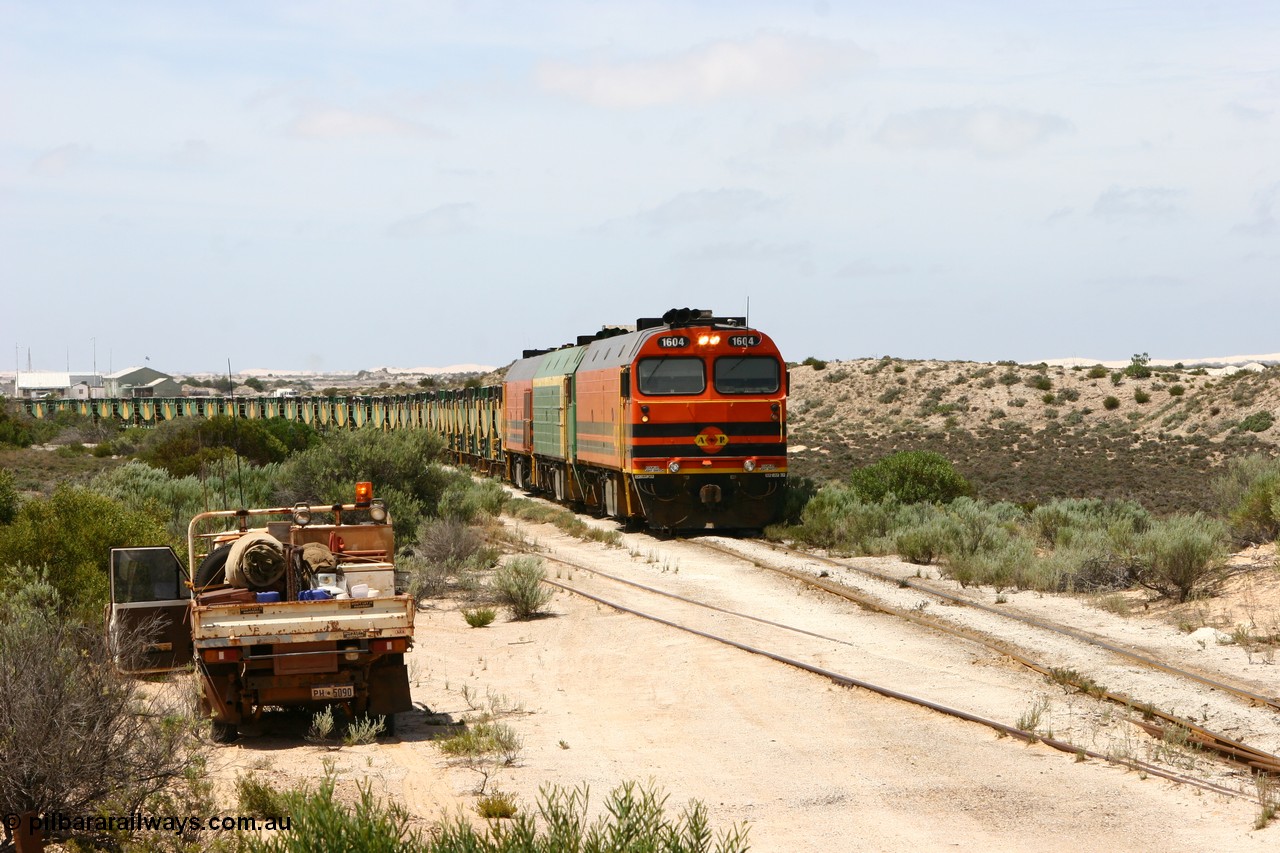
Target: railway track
[[850, 680], [1153, 720], [915, 584]]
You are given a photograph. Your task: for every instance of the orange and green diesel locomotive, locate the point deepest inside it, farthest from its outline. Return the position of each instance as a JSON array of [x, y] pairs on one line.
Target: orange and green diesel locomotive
[[680, 423]]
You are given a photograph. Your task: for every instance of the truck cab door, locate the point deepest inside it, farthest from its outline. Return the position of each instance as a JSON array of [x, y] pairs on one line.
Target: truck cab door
[[149, 595]]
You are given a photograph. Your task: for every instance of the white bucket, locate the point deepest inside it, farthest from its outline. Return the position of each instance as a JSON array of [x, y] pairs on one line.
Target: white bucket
[[359, 590]]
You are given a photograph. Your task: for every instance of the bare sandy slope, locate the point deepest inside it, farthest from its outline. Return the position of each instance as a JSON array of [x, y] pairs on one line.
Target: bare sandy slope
[[603, 697]]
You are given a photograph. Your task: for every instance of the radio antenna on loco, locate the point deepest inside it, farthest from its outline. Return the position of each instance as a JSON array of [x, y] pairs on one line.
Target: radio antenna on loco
[[748, 312]]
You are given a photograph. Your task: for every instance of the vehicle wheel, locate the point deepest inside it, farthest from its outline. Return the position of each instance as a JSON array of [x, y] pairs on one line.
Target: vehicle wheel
[[225, 732], [213, 568]]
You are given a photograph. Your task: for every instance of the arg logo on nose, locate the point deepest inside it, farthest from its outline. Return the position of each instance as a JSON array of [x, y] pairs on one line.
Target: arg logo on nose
[[711, 439]]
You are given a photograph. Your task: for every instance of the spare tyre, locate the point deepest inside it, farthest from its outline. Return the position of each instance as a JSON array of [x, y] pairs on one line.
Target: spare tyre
[[212, 569]]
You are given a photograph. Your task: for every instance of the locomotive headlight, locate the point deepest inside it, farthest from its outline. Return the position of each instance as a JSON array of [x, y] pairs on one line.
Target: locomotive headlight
[[378, 510], [301, 515], [673, 467], [704, 340], [749, 465], [715, 339]]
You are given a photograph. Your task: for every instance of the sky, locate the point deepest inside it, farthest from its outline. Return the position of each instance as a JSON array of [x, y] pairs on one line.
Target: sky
[[344, 185]]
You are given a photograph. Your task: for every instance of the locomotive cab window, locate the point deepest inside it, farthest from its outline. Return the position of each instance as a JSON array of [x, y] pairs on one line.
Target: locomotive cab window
[[672, 375], [748, 374]]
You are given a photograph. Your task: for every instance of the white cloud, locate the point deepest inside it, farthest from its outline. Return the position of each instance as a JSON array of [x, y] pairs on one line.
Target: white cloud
[[337, 123], [987, 131], [722, 205], [445, 219], [766, 64], [62, 159], [1263, 222], [1145, 202], [870, 269], [748, 250], [803, 136]]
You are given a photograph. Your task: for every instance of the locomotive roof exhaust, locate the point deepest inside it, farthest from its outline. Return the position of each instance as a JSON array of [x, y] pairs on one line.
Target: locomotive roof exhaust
[[680, 317]]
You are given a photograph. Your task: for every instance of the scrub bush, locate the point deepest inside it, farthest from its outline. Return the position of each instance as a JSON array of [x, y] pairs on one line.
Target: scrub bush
[[1183, 555], [911, 476], [520, 588]]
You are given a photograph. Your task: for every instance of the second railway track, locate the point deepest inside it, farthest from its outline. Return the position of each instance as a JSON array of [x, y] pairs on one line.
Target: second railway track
[[1163, 726]]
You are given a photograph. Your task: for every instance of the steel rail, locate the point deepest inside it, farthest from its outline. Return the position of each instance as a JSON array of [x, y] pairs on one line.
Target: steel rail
[[1234, 689], [1255, 758], [850, 681]]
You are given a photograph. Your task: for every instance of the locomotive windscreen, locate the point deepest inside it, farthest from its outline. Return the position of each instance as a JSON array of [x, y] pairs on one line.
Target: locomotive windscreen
[[749, 374], [671, 375]]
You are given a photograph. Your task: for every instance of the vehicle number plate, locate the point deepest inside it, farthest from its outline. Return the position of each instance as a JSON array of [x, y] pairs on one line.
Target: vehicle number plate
[[334, 691]]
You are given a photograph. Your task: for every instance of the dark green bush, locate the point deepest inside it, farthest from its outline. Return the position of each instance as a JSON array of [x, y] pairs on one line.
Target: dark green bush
[[815, 363], [1111, 404], [1140, 396], [1248, 494], [184, 447], [1139, 366], [1177, 390], [1097, 372], [1039, 381], [1257, 422], [72, 533], [8, 496], [911, 476], [400, 464]]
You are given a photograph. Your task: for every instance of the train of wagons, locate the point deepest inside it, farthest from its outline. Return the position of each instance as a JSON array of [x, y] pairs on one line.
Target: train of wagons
[[680, 424]]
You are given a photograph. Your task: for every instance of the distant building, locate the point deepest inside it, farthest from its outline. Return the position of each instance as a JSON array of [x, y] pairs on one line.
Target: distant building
[[141, 382]]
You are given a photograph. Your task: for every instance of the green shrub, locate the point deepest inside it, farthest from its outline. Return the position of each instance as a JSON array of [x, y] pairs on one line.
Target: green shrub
[[318, 821], [72, 533], [889, 396], [1039, 381], [1257, 422], [1177, 390], [520, 587], [1111, 404], [1139, 366], [1117, 377], [920, 533], [1097, 372], [1184, 554], [1068, 395], [1048, 398], [258, 799], [479, 617], [364, 730], [1009, 377], [398, 463], [8, 496], [1248, 494], [498, 805], [815, 363], [911, 476], [837, 519], [1140, 396], [633, 818]]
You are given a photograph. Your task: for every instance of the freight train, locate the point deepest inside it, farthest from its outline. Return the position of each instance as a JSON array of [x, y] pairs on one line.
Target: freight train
[[679, 423]]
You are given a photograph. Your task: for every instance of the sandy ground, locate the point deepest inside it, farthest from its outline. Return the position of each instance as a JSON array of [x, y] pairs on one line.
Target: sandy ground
[[600, 697]]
